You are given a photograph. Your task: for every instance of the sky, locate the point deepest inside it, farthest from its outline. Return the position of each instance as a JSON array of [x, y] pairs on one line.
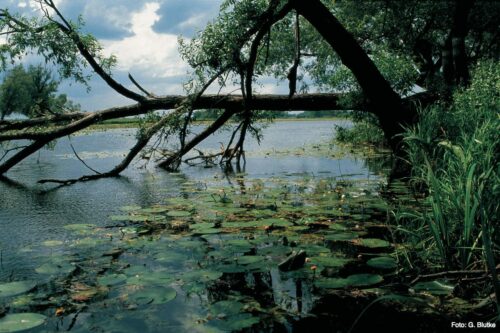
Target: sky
[[143, 35]]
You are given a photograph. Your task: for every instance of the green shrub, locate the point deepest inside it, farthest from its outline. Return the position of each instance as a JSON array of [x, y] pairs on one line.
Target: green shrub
[[364, 131]]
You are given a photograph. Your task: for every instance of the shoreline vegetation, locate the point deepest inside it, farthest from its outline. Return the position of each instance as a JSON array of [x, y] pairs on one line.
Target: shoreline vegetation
[[136, 122], [453, 152]]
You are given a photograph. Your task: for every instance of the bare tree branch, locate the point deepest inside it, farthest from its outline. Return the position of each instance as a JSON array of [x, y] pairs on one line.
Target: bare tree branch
[[68, 29]]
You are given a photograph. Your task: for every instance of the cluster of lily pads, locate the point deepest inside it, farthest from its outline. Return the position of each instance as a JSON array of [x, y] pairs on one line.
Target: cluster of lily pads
[[208, 260]]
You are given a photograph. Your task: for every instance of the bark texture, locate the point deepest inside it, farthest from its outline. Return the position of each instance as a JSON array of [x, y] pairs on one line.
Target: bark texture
[[384, 101]]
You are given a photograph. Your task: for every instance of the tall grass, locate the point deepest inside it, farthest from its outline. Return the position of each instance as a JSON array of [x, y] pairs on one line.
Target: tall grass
[[454, 151]]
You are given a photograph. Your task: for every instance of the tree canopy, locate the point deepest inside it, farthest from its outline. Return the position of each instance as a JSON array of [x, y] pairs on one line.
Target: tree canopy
[[32, 92], [367, 55]]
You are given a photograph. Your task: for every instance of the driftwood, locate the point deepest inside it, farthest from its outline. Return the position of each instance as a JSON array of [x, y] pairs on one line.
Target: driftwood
[[294, 261]]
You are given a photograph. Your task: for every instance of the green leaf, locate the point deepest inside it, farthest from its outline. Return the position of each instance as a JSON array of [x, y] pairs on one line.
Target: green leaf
[[341, 236], [435, 287], [247, 260], [356, 280], [52, 243], [201, 276], [178, 213], [236, 322], [82, 228], [16, 288], [382, 263], [329, 261], [373, 243], [111, 279], [17, 322], [55, 268], [153, 295], [226, 308]]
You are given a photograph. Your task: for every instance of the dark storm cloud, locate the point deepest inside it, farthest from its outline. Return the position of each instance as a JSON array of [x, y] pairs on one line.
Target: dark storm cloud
[[185, 17]]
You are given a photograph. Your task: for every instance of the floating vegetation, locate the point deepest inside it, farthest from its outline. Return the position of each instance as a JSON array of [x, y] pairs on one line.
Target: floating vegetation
[[216, 254], [17, 322], [384, 263], [16, 288], [436, 287], [356, 280]]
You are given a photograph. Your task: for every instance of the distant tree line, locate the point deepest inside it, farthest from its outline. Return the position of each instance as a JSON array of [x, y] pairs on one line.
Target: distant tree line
[[213, 114]]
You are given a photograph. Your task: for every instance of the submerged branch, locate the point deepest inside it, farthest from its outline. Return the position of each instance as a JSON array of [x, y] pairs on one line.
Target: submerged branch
[[453, 274]]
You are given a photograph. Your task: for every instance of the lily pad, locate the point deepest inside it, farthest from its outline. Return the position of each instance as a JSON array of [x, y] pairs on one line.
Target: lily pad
[[373, 243], [382, 263], [137, 218], [55, 268], [179, 213], [52, 243], [331, 283], [170, 257], [130, 208], [329, 261], [146, 218], [111, 279], [147, 278], [134, 230], [120, 218], [154, 210], [242, 224], [82, 228], [204, 228], [276, 223], [17, 322], [201, 276], [226, 308], [435, 287], [88, 242], [236, 322], [337, 226], [247, 260], [16, 288], [356, 280], [364, 280], [153, 295], [238, 245], [341, 236]]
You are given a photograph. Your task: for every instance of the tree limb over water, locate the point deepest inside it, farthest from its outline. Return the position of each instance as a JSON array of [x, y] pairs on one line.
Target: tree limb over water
[[242, 56]]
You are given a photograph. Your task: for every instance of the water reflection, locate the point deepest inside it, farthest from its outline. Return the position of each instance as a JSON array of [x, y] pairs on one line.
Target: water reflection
[[32, 214]]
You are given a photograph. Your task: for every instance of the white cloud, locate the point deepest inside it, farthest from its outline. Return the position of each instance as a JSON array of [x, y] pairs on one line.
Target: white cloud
[[196, 22], [147, 51]]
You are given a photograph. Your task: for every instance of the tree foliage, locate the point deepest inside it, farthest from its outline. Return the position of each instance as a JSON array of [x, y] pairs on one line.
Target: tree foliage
[[50, 39], [32, 92], [373, 52]]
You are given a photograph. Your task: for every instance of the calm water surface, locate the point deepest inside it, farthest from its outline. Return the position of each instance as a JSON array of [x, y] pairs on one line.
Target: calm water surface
[[31, 214]]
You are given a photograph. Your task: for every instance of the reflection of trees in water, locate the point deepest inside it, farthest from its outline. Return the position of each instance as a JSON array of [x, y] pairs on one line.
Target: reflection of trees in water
[[279, 298], [379, 163]]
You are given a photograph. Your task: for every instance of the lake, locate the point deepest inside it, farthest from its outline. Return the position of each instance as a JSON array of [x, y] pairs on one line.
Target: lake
[[149, 251]]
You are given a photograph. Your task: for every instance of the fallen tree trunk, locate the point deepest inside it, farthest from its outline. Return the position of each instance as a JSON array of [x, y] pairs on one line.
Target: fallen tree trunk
[[11, 130], [70, 123]]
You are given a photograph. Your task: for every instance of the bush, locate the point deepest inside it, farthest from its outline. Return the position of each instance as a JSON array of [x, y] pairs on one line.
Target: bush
[[364, 131]]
